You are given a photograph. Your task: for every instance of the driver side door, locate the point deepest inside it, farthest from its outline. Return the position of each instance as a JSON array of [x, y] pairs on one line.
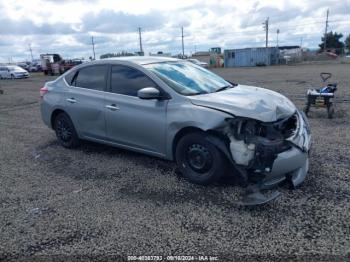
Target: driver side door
[[132, 122]]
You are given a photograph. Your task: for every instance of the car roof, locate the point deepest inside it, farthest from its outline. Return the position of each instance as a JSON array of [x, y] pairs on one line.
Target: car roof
[[143, 60]]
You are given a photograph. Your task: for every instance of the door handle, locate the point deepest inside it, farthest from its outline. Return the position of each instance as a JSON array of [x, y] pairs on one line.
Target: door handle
[[112, 107], [71, 100]]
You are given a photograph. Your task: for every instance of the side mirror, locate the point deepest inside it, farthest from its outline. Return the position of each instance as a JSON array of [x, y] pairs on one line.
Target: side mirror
[[149, 93]]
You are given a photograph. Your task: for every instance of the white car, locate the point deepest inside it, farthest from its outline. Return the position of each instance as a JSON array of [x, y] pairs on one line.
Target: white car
[[13, 72], [197, 62]]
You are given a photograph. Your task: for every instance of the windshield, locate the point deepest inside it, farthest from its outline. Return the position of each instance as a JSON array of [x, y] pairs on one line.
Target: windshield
[[187, 78]]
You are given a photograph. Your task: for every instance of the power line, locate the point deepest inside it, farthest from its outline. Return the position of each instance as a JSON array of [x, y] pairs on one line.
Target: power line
[[325, 32], [182, 38], [266, 27], [93, 46], [31, 51], [140, 40]]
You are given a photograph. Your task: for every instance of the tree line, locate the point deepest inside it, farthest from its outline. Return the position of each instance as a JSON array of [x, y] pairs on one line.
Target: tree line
[[333, 41]]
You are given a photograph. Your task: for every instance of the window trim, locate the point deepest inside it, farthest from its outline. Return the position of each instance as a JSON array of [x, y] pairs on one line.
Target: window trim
[[80, 87], [65, 80]]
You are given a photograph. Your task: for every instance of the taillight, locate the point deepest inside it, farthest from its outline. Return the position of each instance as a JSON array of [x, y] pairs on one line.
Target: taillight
[[43, 91]]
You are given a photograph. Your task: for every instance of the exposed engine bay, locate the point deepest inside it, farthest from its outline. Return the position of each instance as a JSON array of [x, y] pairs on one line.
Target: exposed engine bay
[[253, 147]]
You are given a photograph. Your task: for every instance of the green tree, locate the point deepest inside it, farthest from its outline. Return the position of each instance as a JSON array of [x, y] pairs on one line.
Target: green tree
[[333, 41], [347, 42]]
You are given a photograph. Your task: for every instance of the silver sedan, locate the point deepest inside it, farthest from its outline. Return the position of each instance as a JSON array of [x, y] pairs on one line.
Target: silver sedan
[[176, 110]]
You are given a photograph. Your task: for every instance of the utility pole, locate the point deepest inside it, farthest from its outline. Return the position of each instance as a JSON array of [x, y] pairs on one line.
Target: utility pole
[[31, 51], [278, 31], [182, 36], [140, 40], [325, 32], [93, 46], [266, 27]]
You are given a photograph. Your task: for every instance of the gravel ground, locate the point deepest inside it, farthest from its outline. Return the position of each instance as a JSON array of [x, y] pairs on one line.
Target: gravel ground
[[99, 201]]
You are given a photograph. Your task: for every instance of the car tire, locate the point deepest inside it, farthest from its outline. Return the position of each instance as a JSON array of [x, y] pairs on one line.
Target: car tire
[[65, 131], [307, 109], [12, 77], [199, 160], [330, 111]]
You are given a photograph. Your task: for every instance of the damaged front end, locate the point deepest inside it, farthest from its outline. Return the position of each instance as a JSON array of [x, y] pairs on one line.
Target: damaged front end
[[265, 154]]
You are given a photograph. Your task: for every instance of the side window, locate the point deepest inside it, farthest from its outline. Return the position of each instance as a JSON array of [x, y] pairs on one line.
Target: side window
[[69, 77], [92, 77], [127, 81]]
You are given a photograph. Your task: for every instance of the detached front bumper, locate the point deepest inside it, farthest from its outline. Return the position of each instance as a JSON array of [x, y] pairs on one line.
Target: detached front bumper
[[293, 163], [265, 154]]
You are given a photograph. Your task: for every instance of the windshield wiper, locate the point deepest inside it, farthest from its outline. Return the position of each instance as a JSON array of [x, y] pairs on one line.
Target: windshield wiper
[[224, 88], [194, 94]]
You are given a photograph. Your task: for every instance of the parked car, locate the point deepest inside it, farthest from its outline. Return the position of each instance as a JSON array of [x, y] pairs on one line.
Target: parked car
[[24, 65], [35, 68], [13, 72], [197, 62], [176, 110]]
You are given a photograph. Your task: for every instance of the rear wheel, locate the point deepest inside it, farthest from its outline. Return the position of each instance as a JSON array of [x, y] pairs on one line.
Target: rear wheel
[[65, 131], [199, 160]]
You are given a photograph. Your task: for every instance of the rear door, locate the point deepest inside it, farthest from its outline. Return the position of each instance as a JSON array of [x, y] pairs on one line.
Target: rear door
[[131, 121], [85, 101]]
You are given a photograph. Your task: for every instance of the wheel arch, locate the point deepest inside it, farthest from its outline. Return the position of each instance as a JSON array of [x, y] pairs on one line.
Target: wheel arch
[[54, 114]]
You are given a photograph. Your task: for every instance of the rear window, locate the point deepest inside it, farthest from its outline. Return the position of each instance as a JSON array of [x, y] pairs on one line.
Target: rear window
[[92, 77]]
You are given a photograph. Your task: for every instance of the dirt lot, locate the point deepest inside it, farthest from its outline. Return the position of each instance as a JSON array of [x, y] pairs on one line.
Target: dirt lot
[[98, 200]]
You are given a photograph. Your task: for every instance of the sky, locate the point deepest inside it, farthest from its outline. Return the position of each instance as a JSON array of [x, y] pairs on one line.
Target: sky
[[66, 26]]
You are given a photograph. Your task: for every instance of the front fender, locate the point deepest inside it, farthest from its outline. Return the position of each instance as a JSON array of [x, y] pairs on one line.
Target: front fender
[[185, 115]]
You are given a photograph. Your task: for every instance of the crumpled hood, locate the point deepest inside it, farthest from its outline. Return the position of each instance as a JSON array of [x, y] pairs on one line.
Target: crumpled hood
[[248, 101]]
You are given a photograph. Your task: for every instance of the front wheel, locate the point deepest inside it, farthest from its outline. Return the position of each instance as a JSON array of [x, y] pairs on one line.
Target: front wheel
[[12, 77], [307, 108], [199, 160], [330, 111], [65, 131]]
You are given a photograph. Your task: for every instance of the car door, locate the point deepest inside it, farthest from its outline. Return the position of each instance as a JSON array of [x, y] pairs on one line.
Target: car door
[[85, 101], [131, 121]]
